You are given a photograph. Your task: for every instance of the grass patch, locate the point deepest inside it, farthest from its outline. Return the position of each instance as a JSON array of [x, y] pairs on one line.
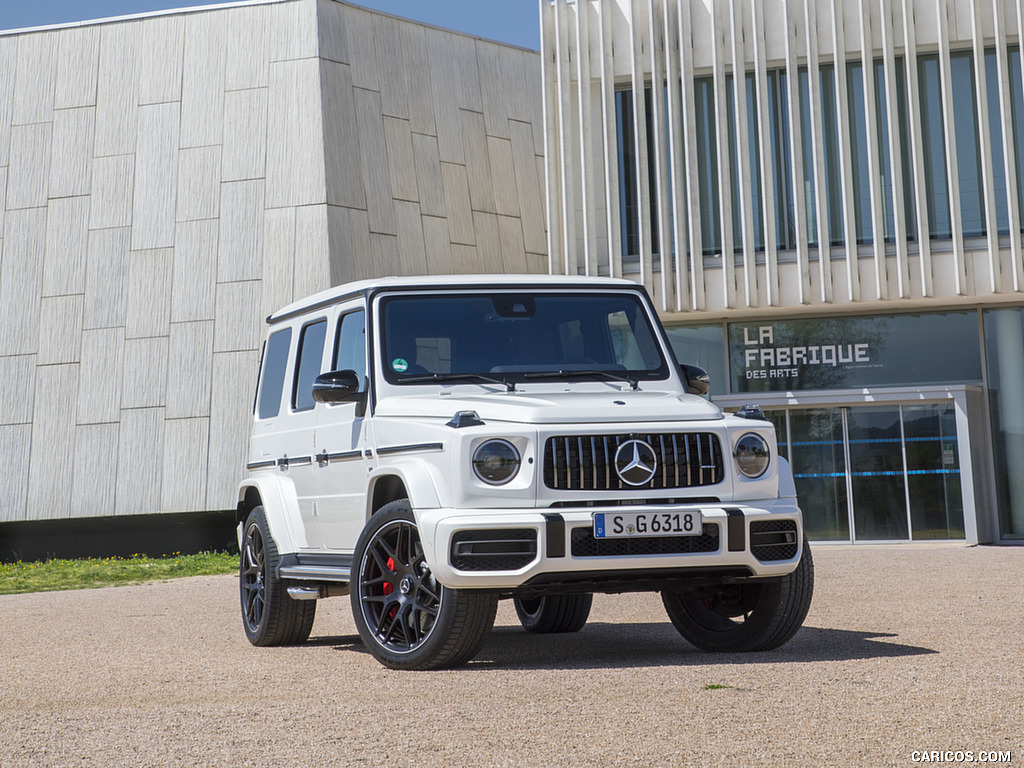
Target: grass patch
[[90, 573], [719, 687]]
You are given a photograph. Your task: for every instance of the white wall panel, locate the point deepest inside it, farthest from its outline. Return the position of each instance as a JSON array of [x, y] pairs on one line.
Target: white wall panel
[[139, 464], [99, 382], [155, 176], [161, 59], [78, 52], [411, 248], [349, 233], [117, 89], [295, 151], [60, 330], [245, 135], [237, 326], [185, 451], [312, 236], [17, 395], [28, 172], [194, 285], [278, 259], [333, 40], [14, 441], [190, 361], [419, 78], [8, 72], [373, 157], [293, 31], [199, 170], [241, 230], [428, 175], [148, 311], [341, 137], [52, 455], [34, 86], [71, 152], [94, 486], [234, 385], [106, 278], [393, 85], [112, 184], [478, 164], [21, 280], [67, 245], [144, 380], [202, 85], [401, 162]]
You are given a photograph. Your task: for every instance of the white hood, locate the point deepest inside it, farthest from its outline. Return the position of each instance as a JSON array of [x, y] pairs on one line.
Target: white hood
[[554, 407]]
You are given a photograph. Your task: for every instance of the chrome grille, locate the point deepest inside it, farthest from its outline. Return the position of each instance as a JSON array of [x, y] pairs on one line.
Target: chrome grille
[[587, 462]]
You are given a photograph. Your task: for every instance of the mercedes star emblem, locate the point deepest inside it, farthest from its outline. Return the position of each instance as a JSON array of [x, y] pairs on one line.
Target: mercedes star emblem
[[635, 462]]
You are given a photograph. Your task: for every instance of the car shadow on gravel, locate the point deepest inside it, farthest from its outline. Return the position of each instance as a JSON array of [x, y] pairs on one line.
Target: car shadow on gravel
[[649, 645], [616, 646]]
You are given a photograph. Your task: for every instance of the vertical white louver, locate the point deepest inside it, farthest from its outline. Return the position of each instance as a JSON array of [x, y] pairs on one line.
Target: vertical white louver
[[745, 197]]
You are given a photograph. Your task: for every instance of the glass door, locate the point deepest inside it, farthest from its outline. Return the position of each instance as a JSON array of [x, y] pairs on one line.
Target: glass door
[[875, 472]]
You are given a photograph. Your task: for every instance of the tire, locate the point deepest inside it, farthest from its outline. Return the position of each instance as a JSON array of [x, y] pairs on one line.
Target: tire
[[552, 614], [757, 616], [405, 617], [269, 615]]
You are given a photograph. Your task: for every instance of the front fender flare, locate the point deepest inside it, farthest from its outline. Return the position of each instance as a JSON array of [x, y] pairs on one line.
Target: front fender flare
[[418, 477]]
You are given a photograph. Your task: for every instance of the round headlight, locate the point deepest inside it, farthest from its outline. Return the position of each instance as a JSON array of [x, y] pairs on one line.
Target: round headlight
[[752, 455], [496, 462]]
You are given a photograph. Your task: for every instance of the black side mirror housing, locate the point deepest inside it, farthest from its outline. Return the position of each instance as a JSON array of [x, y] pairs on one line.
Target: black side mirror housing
[[697, 380], [337, 387]]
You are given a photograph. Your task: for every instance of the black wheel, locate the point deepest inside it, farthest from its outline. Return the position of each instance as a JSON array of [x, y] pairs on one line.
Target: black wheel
[[269, 615], [405, 617], [553, 613], [756, 616]]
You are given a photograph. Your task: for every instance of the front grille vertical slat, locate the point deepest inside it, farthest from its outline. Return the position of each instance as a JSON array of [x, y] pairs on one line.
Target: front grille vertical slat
[[582, 463], [587, 462]]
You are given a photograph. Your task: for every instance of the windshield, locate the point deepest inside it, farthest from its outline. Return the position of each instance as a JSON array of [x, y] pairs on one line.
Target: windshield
[[513, 337]]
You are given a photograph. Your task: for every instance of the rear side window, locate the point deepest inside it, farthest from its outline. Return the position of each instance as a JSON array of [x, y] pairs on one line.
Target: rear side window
[[311, 353], [274, 364]]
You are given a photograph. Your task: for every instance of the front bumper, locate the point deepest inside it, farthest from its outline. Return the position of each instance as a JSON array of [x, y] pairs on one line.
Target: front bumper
[[507, 549]]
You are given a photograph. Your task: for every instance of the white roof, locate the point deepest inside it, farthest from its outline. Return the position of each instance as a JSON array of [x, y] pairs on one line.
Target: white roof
[[332, 295]]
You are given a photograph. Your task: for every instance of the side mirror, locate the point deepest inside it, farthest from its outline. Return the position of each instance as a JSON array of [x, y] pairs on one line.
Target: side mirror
[[697, 380], [337, 387]]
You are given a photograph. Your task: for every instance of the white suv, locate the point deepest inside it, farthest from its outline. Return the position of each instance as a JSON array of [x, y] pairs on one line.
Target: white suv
[[431, 445]]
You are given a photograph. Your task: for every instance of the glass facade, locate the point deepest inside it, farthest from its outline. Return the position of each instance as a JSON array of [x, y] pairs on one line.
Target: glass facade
[[1004, 347], [881, 472], [875, 472], [864, 141]]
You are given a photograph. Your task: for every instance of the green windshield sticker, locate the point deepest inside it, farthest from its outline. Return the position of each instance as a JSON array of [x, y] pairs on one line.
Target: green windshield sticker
[[399, 365]]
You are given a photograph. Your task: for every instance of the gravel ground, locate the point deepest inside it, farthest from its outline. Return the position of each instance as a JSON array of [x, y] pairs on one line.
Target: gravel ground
[[906, 648]]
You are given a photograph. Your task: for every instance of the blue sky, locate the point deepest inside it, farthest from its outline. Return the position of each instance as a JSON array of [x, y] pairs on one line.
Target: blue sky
[[510, 21]]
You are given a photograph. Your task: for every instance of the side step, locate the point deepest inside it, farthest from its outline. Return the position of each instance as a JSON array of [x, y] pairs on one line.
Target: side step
[[326, 575]]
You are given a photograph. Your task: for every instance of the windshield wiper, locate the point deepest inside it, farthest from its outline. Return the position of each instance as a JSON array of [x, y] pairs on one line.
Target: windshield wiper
[[510, 386], [606, 375]]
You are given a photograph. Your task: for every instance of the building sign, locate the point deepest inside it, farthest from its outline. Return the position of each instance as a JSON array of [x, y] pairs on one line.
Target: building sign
[[845, 352]]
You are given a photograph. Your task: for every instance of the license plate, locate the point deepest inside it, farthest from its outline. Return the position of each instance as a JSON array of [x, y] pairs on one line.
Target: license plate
[[624, 525]]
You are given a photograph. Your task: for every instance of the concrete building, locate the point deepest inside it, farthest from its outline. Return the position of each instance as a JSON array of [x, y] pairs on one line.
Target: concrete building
[[167, 180], [837, 238]]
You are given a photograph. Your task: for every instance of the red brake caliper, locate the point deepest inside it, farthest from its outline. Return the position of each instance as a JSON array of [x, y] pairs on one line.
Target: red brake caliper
[[388, 588]]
